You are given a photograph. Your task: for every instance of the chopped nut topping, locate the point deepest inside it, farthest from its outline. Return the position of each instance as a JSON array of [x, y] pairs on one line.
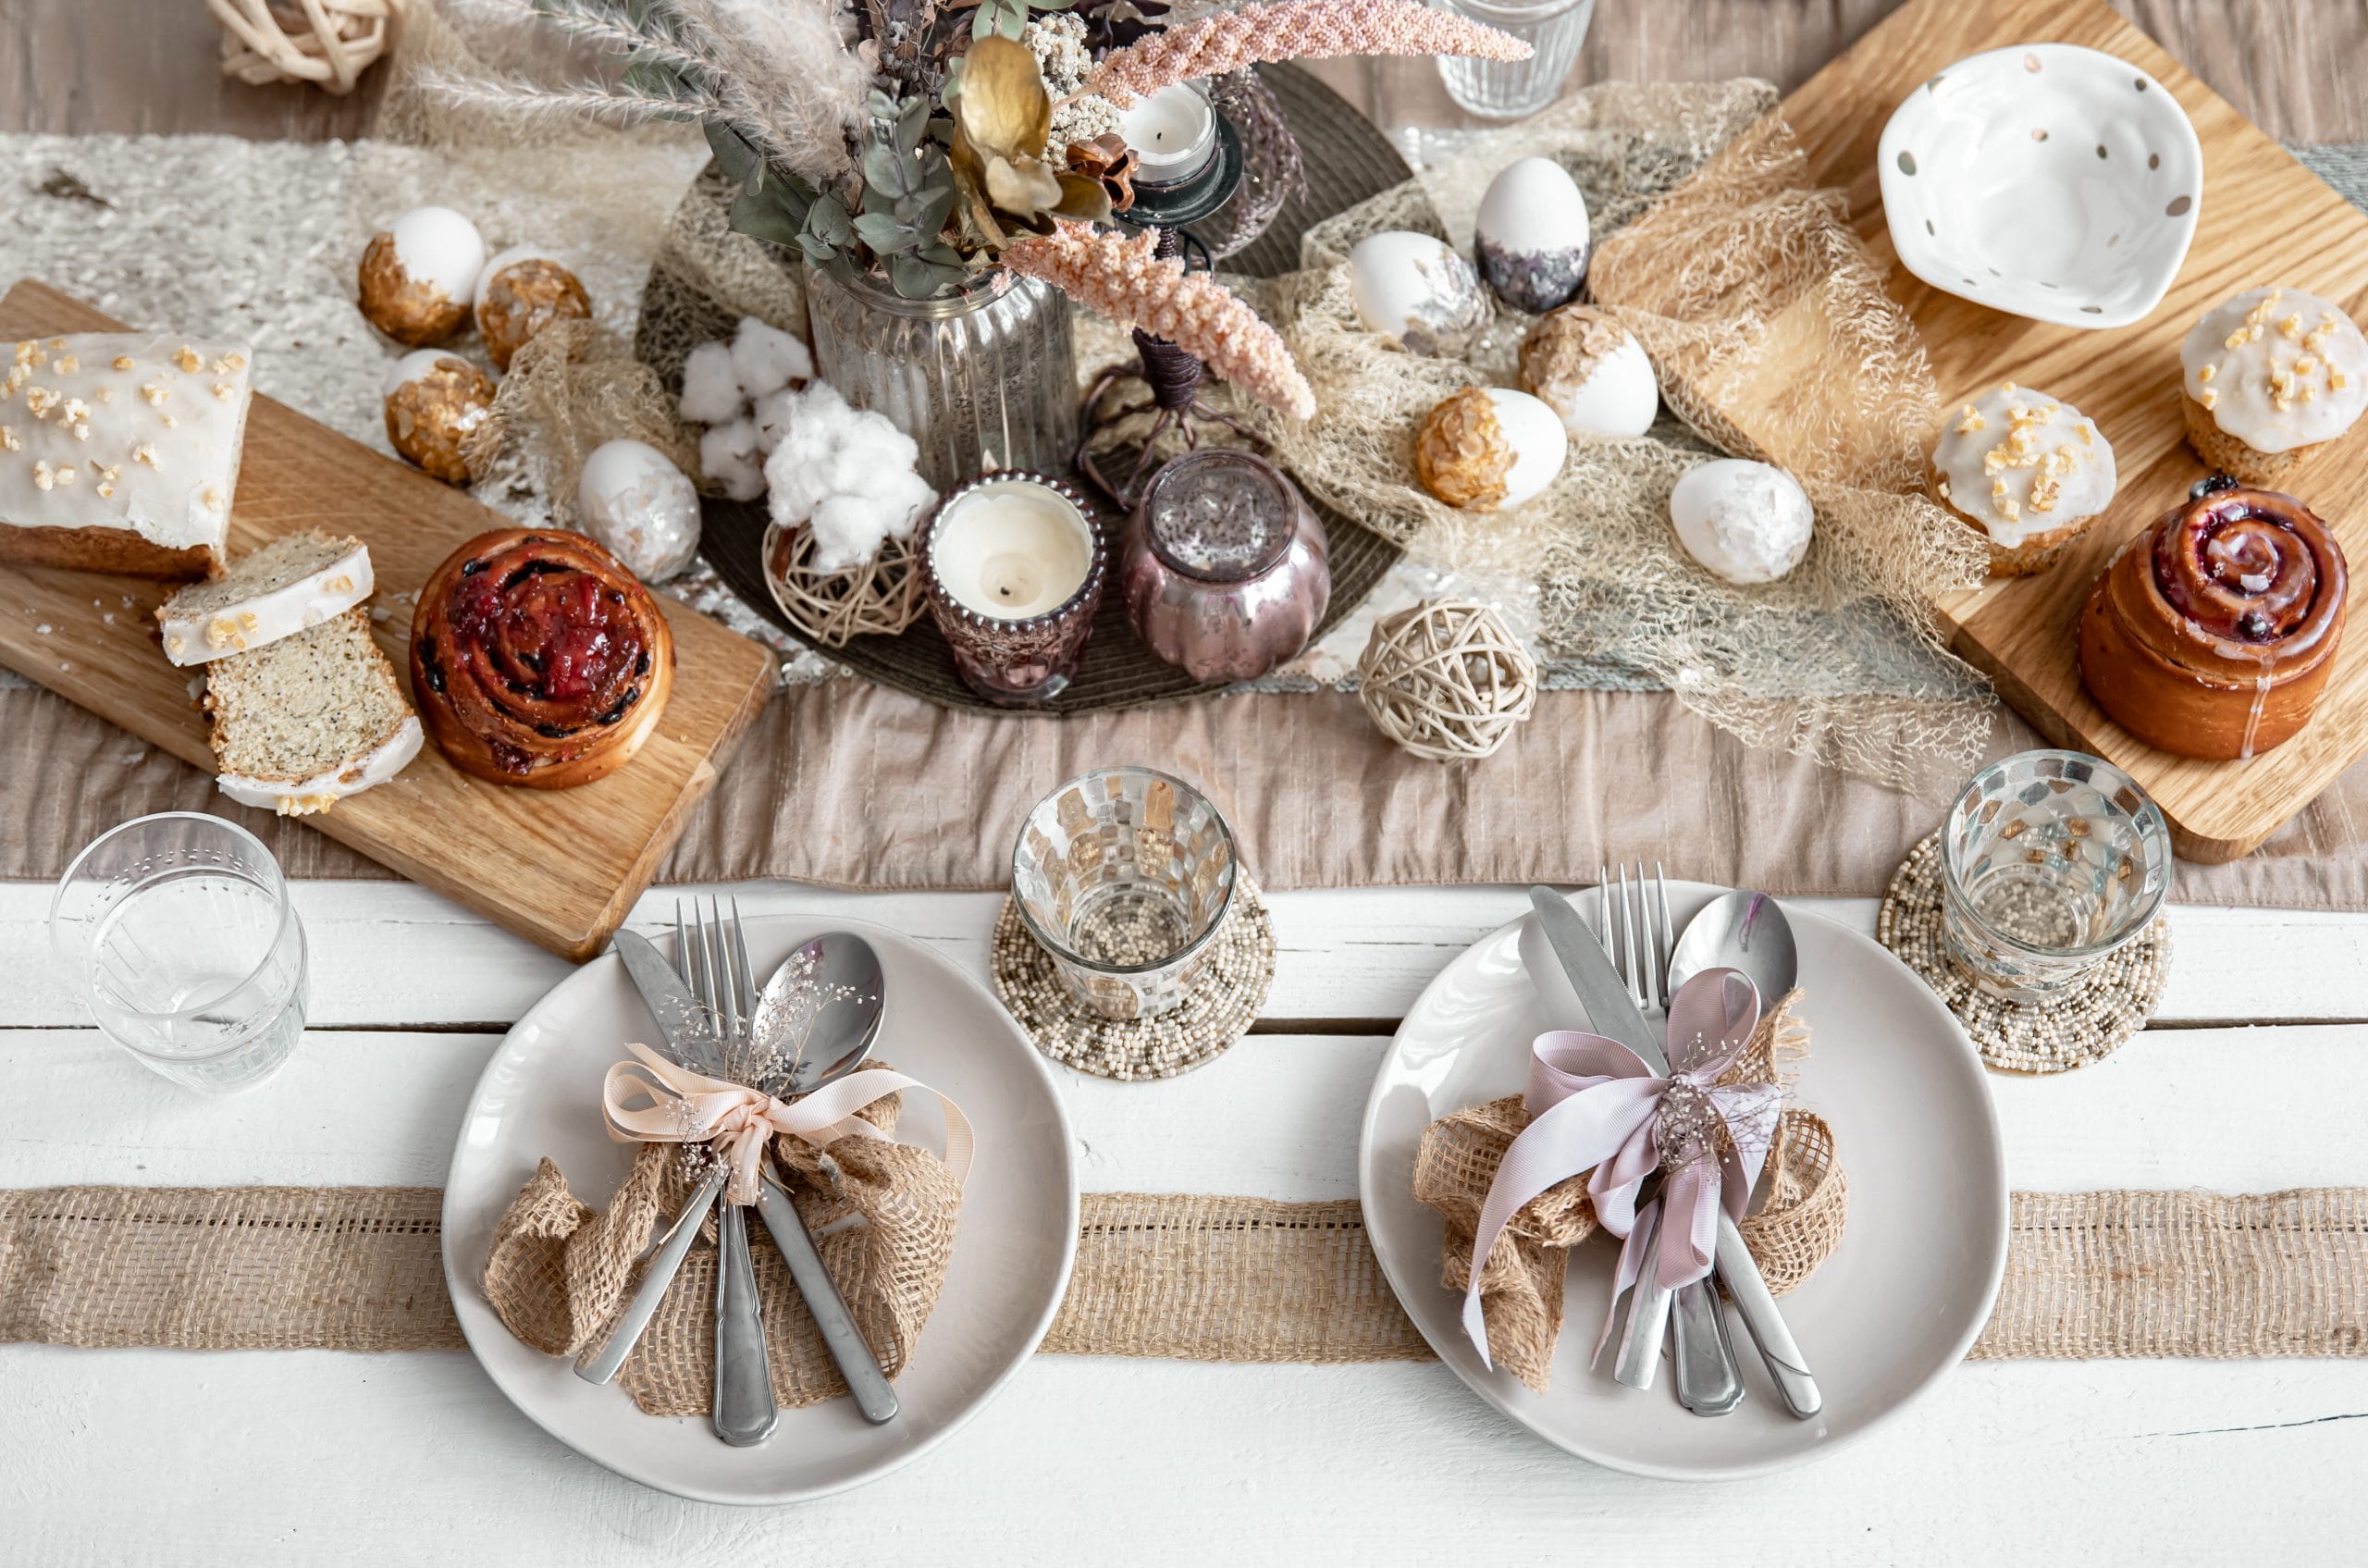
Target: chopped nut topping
[[2291, 327], [146, 453], [169, 421], [2087, 434], [235, 361], [2208, 397], [66, 475], [212, 499], [123, 362], [155, 392], [40, 400], [189, 362], [219, 630], [2235, 339], [2337, 381], [224, 391], [43, 478], [2207, 373], [2010, 510], [68, 364], [105, 394], [1971, 422], [8, 442], [340, 583]]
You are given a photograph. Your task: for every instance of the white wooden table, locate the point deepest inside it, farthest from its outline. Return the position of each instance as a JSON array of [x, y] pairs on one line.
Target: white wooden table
[[2254, 1077]]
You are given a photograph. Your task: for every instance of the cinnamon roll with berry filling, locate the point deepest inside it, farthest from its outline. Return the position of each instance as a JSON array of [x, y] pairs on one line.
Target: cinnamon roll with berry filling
[[537, 658], [2213, 632]]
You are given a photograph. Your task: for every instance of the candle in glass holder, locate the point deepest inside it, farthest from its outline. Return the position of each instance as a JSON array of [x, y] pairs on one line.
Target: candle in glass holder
[[1173, 131], [1014, 566]]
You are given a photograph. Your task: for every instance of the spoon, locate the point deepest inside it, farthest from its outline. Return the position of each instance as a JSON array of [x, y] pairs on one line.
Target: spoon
[[817, 1020], [1748, 932]]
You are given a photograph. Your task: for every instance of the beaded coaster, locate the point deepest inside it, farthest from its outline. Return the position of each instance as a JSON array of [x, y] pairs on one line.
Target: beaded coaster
[[1204, 1027], [2084, 1024]]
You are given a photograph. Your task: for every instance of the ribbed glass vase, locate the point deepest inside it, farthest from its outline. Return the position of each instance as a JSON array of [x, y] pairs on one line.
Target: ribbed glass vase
[[982, 377]]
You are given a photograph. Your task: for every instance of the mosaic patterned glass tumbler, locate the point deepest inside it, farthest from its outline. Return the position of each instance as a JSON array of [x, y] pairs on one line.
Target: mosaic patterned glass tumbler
[[1124, 876], [1509, 89], [2050, 861]]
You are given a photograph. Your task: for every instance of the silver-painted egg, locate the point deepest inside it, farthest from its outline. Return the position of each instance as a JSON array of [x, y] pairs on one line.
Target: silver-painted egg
[[1415, 291]]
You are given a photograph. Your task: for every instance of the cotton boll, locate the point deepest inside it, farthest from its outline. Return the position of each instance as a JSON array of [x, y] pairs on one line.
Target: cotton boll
[[845, 474], [728, 455], [766, 359], [710, 386]]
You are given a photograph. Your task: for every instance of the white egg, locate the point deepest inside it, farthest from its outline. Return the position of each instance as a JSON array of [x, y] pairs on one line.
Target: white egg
[[1415, 291], [441, 249], [1748, 522], [412, 367], [1540, 444], [633, 498], [511, 258], [1532, 236]]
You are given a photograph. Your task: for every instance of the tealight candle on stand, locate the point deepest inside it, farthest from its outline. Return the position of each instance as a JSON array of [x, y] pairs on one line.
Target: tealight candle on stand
[[1174, 133], [1013, 566]]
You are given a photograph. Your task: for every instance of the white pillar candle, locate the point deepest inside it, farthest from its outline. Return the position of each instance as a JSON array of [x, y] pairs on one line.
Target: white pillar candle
[[1011, 549], [1174, 133]]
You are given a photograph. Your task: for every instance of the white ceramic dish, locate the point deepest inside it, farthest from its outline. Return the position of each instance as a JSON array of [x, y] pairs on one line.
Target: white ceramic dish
[[2045, 180], [1894, 1308], [541, 1095]]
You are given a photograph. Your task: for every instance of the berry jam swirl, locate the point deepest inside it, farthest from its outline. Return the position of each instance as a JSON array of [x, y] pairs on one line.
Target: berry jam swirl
[[2249, 567], [542, 640]]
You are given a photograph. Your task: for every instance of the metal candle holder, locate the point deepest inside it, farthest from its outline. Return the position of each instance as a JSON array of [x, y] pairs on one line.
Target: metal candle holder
[[1169, 377]]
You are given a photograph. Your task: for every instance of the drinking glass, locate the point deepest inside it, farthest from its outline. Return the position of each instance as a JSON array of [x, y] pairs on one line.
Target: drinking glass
[[2050, 861], [177, 932], [1123, 876], [1508, 90]]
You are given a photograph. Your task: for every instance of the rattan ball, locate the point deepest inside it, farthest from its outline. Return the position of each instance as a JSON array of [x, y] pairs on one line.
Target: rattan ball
[[1447, 680], [327, 43], [882, 594]]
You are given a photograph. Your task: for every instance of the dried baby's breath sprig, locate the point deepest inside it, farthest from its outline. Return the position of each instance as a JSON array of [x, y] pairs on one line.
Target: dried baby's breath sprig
[[1122, 278], [1293, 30]]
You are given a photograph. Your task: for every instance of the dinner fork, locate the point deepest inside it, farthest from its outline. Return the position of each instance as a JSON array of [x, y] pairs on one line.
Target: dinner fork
[[745, 1412], [1641, 942]]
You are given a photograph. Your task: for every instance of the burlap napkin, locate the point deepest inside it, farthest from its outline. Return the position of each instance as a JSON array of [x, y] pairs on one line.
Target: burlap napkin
[[1522, 1279], [882, 1213]]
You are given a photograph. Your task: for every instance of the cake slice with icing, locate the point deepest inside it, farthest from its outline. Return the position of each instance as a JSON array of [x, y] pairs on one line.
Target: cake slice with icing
[[119, 452], [290, 585], [302, 722]]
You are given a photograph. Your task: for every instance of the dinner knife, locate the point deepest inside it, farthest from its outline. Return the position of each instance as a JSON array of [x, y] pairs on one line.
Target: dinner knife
[[1614, 1013]]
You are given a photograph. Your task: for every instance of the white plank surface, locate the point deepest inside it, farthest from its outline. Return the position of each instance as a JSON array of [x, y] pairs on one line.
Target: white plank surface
[[155, 1456]]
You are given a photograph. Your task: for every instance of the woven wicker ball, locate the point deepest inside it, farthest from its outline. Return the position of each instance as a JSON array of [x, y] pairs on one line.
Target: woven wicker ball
[[882, 594], [1447, 680], [327, 43]]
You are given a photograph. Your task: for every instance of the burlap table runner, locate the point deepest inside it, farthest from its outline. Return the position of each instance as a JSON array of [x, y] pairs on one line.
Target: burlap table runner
[[1201, 1278]]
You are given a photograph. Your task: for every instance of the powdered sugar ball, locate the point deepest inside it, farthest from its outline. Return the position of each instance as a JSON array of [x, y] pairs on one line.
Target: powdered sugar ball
[[845, 473], [765, 359], [635, 500], [1748, 522], [710, 386], [728, 455]]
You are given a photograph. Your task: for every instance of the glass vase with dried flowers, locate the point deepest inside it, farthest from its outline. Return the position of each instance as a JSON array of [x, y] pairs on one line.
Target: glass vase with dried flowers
[[912, 154]]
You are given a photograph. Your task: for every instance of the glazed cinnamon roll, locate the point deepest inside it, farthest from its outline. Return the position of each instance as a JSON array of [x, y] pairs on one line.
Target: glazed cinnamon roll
[[2213, 632], [537, 658]]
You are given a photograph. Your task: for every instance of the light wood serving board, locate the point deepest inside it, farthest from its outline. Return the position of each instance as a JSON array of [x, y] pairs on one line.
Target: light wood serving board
[[561, 867], [2265, 219]]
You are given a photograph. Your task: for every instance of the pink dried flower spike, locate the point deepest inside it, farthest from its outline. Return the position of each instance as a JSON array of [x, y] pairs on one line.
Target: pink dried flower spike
[[1293, 30]]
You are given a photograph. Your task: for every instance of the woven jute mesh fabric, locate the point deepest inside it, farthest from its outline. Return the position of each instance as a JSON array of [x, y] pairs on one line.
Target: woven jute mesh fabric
[[1210, 1277], [1522, 1279], [882, 1213], [1773, 337]]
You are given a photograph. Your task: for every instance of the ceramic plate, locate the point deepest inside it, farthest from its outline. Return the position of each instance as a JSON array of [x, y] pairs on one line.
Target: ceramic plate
[[541, 1095], [2045, 180], [1896, 1307]]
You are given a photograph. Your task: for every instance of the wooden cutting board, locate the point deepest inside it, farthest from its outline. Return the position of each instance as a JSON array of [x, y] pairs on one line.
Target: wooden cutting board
[[2265, 219], [561, 867]]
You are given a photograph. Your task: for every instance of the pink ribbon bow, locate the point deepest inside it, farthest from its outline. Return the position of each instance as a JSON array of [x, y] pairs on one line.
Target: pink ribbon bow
[[654, 1100], [1595, 1105]]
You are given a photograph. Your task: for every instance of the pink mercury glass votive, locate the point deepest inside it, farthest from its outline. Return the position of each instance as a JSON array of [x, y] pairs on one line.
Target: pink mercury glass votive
[[1224, 568], [1013, 565]]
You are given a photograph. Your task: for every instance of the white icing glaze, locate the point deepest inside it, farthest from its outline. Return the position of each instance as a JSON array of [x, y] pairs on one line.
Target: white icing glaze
[[373, 767], [1748, 522], [438, 247], [250, 624], [152, 447], [2021, 463], [2298, 374]]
